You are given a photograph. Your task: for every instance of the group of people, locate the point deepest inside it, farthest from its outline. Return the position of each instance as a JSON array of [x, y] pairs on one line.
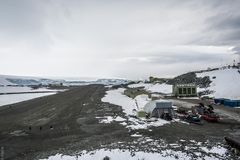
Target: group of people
[[40, 127]]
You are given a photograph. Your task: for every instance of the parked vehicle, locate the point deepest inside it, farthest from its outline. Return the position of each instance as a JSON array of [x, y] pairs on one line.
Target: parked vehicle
[[212, 117], [193, 119], [206, 113]]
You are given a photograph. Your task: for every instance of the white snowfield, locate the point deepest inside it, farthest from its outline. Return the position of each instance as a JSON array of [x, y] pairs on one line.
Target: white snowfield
[[154, 88], [225, 85]]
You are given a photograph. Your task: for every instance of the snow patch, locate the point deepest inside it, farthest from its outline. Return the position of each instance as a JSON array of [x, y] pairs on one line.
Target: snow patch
[[225, 83], [215, 150], [136, 135], [118, 98], [151, 149], [145, 124], [110, 119], [117, 154]]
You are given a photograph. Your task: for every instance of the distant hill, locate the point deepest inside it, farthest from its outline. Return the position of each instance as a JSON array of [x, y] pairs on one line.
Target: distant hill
[[191, 77], [7, 80]]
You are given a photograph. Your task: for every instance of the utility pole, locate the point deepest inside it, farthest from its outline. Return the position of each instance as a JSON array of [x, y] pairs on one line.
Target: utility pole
[[238, 64]]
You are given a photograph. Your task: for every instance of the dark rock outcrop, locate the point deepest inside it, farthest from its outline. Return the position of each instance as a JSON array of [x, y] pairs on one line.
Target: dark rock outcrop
[[191, 78]]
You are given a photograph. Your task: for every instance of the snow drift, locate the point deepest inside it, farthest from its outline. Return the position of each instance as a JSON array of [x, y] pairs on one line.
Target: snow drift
[[225, 83]]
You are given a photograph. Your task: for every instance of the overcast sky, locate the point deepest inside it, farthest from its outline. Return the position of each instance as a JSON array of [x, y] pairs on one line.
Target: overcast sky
[[116, 38]]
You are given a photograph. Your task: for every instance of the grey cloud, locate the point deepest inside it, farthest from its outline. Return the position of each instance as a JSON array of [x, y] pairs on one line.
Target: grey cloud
[[236, 50], [20, 17], [221, 24], [23, 21], [224, 22], [178, 58]]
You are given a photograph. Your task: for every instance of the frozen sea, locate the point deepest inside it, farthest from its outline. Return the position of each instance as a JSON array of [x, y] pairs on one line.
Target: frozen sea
[[6, 99]]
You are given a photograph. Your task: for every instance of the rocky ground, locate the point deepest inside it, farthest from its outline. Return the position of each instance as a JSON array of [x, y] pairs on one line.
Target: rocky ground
[[68, 123]]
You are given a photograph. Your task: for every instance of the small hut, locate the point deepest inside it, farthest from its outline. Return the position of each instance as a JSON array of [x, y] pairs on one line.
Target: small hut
[[160, 109]]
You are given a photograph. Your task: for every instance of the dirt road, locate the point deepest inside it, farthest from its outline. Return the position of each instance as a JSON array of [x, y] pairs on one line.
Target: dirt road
[[59, 121]]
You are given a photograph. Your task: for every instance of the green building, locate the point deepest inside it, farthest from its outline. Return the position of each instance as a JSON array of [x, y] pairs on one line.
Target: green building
[[185, 90]]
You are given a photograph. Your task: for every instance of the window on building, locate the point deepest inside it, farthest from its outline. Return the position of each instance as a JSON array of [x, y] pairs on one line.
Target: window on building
[[189, 91], [180, 90], [184, 90], [193, 90]]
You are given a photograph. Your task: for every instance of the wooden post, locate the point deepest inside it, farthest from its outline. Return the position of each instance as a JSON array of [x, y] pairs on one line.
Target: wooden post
[[2, 153], [158, 113]]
